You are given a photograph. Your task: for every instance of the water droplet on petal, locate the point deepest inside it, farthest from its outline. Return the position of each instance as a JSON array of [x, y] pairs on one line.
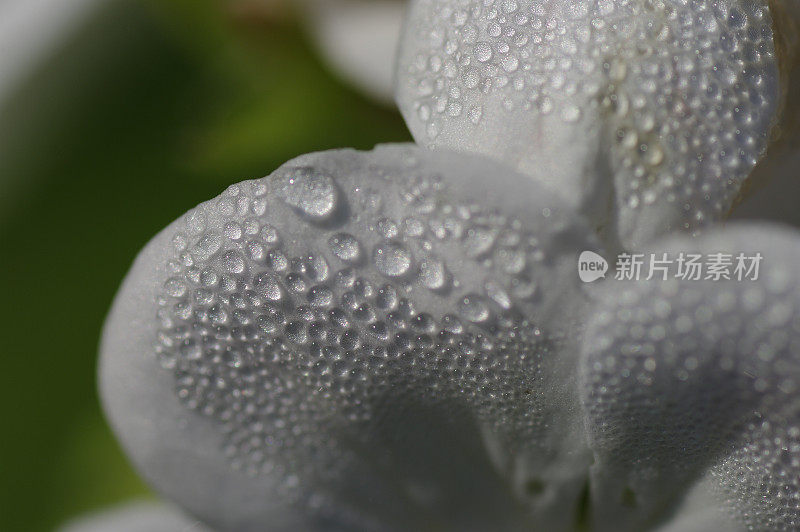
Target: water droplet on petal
[[233, 262], [345, 247], [268, 286], [483, 51], [320, 296], [392, 259], [433, 274], [479, 240], [498, 294], [311, 192], [474, 308], [208, 244]]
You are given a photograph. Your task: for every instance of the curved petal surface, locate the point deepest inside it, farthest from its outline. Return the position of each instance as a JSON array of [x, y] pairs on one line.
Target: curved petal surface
[[136, 517], [379, 341], [701, 511], [359, 38]]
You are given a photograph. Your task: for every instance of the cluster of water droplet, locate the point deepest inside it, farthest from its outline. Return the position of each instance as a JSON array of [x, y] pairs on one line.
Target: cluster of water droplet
[[691, 104], [298, 305], [760, 478], [685, 90], [678, 373], [519, 52]]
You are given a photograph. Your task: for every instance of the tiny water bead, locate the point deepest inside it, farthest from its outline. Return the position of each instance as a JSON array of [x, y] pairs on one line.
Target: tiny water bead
[[392, 259], [299, 353], [474, 308], [345, 247], [433, 274]]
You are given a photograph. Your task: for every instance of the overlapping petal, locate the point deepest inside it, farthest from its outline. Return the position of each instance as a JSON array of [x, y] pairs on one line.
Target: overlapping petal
[[647, 114], [392, 340], [359, 40], [684, 379], [29, 30], [701, 511], [380, 340], [136, 517]]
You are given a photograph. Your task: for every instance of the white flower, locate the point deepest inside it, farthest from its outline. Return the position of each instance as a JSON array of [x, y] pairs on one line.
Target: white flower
[[399, 340]]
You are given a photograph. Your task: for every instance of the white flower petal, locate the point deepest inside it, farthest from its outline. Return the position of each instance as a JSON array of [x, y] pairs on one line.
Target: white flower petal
[[383, 340], [31, 29], [682, 377], [359, 40], [136, 517], [773, 187], [647, 114], [701, 511]]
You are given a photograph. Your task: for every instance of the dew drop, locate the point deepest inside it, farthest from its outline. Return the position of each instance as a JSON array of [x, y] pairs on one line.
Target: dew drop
[[387, 228], [479, 240], [452, 324], [387, 298], [233, 262], [471, 78], [475, 114], [310, 192], [474, 308], [296, 332], [320, 296], [345, 247], [175, 287], [268, 286], [483, 51], [510, 63], [433, 274], [379, 330], [208, 244], [498, 294], [571, 113], [392, 259], [269, 235]]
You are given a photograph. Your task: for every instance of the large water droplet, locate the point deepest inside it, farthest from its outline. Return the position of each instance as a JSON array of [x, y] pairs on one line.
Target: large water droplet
[[309, 191]]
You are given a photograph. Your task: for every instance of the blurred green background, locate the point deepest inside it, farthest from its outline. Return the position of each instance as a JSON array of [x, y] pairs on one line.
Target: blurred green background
[[147, 109]]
